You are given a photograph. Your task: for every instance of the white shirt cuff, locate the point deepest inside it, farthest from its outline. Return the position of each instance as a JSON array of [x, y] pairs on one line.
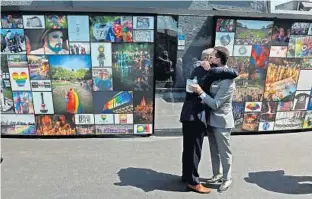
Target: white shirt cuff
[[203, 95]]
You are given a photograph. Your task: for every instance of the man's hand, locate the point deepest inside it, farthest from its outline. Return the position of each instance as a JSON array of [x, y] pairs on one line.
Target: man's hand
[[196, 88], [205, 65]]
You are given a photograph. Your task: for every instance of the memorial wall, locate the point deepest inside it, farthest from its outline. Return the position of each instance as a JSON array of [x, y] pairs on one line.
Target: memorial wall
[[274, 61], [76, 74]]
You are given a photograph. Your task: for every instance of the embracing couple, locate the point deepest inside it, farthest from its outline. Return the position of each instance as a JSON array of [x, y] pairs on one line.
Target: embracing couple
[[208, 109]]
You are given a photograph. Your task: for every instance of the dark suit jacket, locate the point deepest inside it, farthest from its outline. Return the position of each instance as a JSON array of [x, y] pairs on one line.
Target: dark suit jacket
[[192, 107]]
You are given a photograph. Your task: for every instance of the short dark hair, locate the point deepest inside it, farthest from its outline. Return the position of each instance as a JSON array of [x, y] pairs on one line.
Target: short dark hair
[[222, 53]]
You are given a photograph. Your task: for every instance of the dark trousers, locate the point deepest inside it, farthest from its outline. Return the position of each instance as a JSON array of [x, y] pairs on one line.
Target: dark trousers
[[193, 137]]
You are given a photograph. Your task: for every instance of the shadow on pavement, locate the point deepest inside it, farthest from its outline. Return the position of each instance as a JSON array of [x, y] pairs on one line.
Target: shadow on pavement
[[150, 180], [277, 181]]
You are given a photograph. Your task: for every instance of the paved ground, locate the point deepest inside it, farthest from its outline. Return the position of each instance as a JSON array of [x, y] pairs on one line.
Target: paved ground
[[265, 166]]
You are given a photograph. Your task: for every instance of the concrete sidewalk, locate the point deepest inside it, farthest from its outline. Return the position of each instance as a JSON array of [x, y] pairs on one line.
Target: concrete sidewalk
[[265, 166]]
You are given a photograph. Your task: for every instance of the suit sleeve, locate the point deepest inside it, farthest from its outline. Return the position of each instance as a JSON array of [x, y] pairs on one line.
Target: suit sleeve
[[223, 73], [225, 91]]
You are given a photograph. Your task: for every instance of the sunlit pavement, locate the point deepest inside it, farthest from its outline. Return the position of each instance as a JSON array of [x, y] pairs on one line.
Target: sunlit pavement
[[265, 166]]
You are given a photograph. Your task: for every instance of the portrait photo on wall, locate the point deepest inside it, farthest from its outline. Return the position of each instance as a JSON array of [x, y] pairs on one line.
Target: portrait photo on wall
[[281, 79], [143, 36], [12, 124], [253, 32], [111, 28], [41, 85], [101, 54], [13, 41], [114, 129], [19, 78], [241, 65], [251, 121], [289, 120], [306, 63], [260, 56], [278, 51], [6, 97], [307, 123], [78, 28], [102, 79], [225, 39], [281, 33], [143, 107], [18, 61], [104, 118], [84, 119], [238, 113], [268, 111], [33, 21], [71, 83], [143, 22], [225, 25], [39, 67], [79, 48], [304, 81], [47, 41], [242, 50], [110, 102], [23, 102], [301, 100], [56, 21], [55, 124], [85, 129], [300, 28], [43, 103], [11, 21]]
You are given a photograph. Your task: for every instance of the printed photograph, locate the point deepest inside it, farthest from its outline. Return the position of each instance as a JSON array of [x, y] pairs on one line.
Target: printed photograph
[[253, 32], [306, 63], [225, 25], [43, 102], [47, 41], [132, 66], [242, 51], [278, 51], [55, 21], [303, 47], [307, 123], [300, 28], [281, 79], [241, 65], [39, 67], [285, 106], [12, 124], [225, 39], [253, 106], [23, 102], [110, 102], [85, 129], [268, 111], [289, 120], [33, 21], [102, 79], [6, 97], [281, 33], [310, 29], [104, 119], [143, 107], [304, 81], [78, 28], [143, 36], [260, 56], [291, 50], [111, 28], [248, 94], [251, 121], [19, 78], [13, 41], [310, 101], [18, 61], [79, 48], [301, 100], [11, 21], [41, 85], [71, 84], [114, 129], [238, 113], [101, 54], [5, 74], [55, 124], [84, 119], [123, 118], [143, 129], [266, 126], [257, 76], [143, 22]]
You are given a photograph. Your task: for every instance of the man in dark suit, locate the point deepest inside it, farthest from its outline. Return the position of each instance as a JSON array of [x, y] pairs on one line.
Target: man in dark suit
[[194, 123]]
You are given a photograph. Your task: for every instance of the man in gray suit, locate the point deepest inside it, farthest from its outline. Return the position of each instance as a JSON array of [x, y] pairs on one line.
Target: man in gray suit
[[218, 97]]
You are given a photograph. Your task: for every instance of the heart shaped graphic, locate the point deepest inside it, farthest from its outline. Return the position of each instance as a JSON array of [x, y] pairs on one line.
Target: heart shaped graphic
[[103, 117], [20, 78]]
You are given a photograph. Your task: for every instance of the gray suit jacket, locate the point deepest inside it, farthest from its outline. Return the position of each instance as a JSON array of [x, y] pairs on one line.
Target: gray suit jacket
[[220, 102]]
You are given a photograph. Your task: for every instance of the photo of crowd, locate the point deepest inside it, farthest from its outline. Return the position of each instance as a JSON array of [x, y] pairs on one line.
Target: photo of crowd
[[13, 41]]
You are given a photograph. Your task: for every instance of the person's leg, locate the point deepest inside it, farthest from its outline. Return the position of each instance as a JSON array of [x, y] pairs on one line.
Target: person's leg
[[186, 154], [215, 156]]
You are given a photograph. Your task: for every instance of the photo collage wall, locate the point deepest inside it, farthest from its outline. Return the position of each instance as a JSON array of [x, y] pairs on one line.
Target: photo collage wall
[[76, 74], [274, 61]]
